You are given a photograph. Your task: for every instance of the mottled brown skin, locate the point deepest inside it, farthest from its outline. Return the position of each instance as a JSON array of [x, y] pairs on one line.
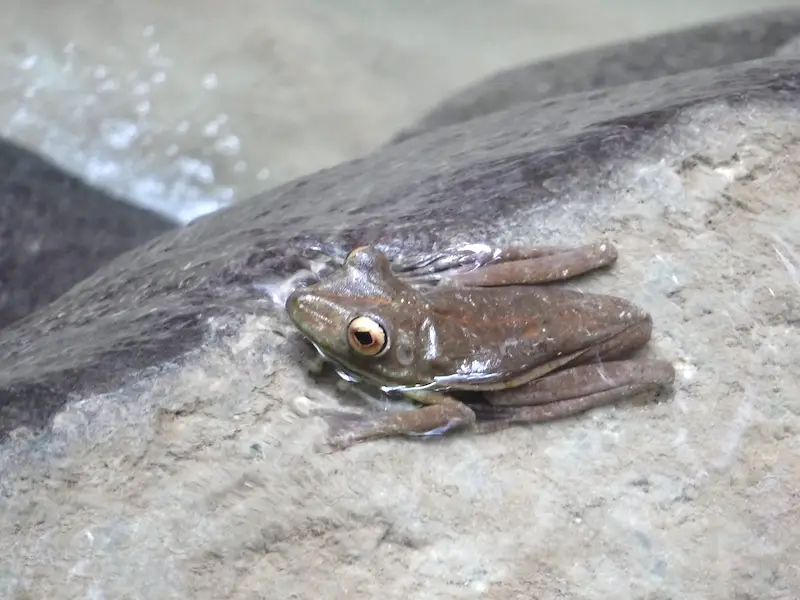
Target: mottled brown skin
[[535, 352]]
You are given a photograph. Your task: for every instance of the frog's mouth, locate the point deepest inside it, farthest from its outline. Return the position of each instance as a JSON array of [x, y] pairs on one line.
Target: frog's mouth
[[344, 370], [341, 369], [353, 375]]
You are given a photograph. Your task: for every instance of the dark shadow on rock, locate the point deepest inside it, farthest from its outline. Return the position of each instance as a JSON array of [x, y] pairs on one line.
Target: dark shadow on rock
[[56, 230], [450, 185], [790, 49], [711, 45]]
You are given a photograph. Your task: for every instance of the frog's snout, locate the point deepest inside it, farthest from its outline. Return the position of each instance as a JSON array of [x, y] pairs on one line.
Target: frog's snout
[[299, 307], [291, 304], [314, 315]]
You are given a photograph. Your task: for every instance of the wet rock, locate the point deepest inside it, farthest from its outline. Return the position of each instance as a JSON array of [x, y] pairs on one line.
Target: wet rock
[[790, 49], [56, 230], [709, 45]]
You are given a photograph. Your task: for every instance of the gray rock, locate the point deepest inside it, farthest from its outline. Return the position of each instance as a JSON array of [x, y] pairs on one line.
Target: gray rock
[[157, 437], [790, 48], [56, 230], [710, 45]]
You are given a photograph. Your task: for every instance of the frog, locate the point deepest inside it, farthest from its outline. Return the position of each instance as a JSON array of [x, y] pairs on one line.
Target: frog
[[482, 320]]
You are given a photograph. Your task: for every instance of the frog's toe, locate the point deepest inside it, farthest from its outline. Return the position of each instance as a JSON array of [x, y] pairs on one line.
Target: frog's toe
[[436, 431], [343, 427]]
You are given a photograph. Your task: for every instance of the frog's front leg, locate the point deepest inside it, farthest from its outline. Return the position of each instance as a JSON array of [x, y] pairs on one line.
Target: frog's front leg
[[578, 389], [440, 413]]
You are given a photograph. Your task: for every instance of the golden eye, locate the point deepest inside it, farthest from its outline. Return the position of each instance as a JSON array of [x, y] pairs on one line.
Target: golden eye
[[366, 336]]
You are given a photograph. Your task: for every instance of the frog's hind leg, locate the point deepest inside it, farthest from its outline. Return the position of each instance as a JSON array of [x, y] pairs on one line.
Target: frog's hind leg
[[536, 265], [576, 390]]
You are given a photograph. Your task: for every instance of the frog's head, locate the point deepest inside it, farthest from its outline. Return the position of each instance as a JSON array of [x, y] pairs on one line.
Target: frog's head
[[364, 319]]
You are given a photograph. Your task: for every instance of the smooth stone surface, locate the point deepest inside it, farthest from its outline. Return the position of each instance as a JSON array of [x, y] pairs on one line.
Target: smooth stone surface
[[203, 478], [56, 230], [719, 43]]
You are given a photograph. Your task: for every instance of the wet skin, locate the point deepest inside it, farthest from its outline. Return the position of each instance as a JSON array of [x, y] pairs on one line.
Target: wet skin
[[476, 319]]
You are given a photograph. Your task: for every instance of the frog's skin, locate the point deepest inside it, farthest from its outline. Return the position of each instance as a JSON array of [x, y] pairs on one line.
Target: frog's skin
[[476, 320]]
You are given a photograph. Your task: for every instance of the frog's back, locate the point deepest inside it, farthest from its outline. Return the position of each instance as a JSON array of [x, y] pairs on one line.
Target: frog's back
[[496, 332]]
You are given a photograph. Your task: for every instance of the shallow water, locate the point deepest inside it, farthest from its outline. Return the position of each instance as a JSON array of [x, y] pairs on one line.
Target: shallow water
[[185, 107]]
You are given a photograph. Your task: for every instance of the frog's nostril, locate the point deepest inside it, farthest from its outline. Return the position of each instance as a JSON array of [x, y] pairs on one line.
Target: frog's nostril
[[295, 304]]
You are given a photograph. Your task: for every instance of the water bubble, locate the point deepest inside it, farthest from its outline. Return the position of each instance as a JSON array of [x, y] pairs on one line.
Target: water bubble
[[98, 169], [210, 81], [21, 117], [211, 129], [196, 169], [143, 107], [229, 145], [27, 63], [109, 85], [118, 133], [31, 91], [225, 194]]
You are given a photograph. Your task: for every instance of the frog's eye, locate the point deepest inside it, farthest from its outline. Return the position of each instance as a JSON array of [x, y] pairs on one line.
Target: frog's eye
[[366, 336]]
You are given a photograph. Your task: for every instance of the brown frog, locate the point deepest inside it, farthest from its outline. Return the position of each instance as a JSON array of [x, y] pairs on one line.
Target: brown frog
[[534, 352]]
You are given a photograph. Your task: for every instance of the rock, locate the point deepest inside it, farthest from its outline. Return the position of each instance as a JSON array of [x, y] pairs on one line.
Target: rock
[[56, 230], [153, 440], [789, 49], [709, 45]]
